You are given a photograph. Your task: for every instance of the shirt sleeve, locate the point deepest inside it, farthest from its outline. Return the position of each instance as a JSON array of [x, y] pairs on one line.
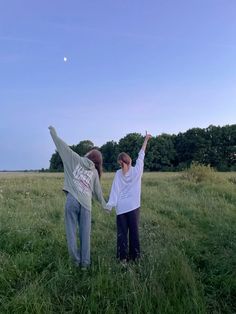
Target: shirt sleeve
[[113, 198], [138, 168]]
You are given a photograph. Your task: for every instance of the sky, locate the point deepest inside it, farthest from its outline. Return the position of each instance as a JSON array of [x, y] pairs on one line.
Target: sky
[[164, 66]]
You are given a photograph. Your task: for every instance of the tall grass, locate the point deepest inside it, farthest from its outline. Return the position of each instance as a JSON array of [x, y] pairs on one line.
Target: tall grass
[[188, 241]]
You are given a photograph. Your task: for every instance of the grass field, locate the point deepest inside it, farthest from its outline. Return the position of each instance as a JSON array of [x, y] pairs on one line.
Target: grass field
[[188, 241]]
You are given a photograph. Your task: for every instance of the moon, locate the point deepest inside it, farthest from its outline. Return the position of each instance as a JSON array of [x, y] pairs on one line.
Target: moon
[[65, 59]]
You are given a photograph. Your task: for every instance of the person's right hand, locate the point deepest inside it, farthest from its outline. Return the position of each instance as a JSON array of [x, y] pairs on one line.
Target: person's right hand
[[147, 136]]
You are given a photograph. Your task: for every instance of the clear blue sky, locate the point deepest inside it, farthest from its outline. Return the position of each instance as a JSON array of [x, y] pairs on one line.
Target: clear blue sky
[[159, 65]]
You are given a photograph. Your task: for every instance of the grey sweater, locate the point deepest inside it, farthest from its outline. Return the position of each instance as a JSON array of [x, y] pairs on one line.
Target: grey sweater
[[80, 175]]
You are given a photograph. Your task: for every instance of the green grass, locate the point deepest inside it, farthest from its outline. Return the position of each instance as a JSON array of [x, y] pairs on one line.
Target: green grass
[[188, 241]]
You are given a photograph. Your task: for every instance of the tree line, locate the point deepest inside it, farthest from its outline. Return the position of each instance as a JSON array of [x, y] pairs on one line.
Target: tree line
[[214, 146]]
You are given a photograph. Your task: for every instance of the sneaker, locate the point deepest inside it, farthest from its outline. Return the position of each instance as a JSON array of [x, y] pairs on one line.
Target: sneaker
[[84, 267]]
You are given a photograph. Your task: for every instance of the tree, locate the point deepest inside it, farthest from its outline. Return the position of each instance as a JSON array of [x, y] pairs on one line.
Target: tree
[[214, 151], [56, 163], [83, 147], [191, 145], [214, 146], [228, 148], [110, 152], [131, 144], [161, 153]]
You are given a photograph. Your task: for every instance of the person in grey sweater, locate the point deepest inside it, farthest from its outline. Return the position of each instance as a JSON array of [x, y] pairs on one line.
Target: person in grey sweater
[[81, 182]]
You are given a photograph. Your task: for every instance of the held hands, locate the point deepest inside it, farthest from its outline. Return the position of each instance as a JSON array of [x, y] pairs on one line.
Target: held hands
[[108, 209]]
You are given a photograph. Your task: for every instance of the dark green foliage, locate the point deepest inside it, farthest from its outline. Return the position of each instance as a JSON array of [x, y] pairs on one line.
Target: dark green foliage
[[214, 146], [83, 147], [192, 145], [109, 152], [161, 153], [131, 145], [56, 163]]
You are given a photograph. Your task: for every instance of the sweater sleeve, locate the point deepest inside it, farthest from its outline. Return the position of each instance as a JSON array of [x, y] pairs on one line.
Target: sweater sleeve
[[63, 149], [113, 198], [98, 192]]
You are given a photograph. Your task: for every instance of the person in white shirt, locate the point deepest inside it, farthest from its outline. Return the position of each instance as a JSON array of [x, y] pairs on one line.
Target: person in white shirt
[[125, 196]]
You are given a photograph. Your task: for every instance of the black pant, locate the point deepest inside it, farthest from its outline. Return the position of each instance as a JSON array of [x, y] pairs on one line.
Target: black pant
[[128, 222]]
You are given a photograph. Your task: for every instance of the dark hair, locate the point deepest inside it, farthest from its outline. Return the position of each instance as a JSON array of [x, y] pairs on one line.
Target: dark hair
[[124, 158], [96, 157]]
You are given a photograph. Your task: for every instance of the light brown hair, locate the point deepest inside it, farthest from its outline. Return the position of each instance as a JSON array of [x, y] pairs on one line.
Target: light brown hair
[[124, 158], [96, 157]]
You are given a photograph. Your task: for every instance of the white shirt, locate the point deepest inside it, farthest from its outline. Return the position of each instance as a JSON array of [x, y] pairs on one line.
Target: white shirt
[[125, 192]]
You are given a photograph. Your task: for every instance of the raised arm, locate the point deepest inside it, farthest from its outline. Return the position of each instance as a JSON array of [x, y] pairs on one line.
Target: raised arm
[[147, 138], [140, 160], [63, 149]]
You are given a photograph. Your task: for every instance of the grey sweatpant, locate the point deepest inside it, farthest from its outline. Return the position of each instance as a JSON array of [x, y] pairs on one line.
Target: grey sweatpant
[[77, 216]]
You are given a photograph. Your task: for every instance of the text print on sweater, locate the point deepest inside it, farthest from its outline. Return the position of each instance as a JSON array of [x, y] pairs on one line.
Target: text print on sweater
[[82, 179]]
